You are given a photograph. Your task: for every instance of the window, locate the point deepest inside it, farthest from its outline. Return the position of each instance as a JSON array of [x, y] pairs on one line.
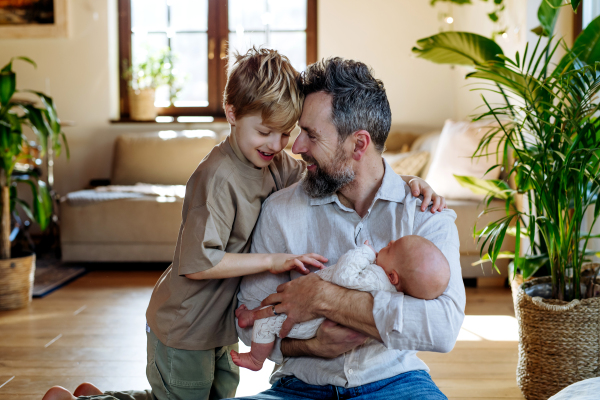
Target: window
[[200, 33], [591, 10]]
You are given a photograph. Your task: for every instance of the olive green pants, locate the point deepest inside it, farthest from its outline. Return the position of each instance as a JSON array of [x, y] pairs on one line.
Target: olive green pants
[[184, 374]]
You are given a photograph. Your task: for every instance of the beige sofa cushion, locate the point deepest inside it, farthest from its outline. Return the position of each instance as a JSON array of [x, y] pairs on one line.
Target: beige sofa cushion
[[426, 142], [165, 157], [141, 229], [410, 163], [453, 156]]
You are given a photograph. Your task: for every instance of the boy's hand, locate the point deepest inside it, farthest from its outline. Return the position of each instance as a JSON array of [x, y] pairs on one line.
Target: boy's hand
[[419, 187], [287, 262]]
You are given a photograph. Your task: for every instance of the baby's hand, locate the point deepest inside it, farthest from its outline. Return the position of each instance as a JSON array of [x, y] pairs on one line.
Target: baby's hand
[[287, 262], [371, 247]]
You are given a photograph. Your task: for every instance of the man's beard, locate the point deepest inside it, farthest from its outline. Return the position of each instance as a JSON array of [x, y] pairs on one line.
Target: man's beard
[[328, 179]]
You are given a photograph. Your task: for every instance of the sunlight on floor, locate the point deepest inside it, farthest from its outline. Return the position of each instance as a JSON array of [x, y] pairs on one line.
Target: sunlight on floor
[[489, 327], [253, 382]]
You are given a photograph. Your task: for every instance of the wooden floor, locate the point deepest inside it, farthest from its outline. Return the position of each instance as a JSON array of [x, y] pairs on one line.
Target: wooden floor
[[94, 330]]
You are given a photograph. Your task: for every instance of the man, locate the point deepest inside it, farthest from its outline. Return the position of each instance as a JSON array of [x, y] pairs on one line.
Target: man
[[368, 347]]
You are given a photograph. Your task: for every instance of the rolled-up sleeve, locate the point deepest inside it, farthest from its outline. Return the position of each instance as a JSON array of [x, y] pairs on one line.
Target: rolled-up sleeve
[[408, 323], [203, 240], [267, 239]]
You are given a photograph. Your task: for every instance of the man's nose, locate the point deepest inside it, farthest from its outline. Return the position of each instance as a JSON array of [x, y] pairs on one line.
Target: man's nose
[[299, 146]]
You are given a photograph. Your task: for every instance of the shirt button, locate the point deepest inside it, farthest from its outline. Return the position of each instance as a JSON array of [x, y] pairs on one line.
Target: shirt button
[[350, 371]]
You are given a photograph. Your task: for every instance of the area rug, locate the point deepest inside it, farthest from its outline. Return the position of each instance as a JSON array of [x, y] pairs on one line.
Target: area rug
[[52, 274]]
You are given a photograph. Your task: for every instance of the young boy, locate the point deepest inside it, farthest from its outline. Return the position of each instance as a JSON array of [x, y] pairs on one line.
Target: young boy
[[191, 322], [412, 265]]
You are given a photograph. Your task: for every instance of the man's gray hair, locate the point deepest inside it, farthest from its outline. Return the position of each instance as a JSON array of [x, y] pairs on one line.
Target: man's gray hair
[[359, 100]]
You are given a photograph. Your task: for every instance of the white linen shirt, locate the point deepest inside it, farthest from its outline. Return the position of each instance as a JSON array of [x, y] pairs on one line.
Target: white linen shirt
[[292, 222]]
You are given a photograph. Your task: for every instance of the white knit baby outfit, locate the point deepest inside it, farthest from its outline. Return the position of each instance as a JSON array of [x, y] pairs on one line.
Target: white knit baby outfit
[[354, 270]]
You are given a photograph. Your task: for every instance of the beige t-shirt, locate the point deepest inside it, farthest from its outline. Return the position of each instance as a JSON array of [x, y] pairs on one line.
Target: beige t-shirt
[[222, 202]]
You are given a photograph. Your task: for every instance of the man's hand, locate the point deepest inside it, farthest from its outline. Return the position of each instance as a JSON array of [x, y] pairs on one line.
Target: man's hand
[[299, 299], [332, 341]]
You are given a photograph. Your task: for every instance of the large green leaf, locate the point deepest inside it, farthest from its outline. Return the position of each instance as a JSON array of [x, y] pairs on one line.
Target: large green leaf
[[8, 85], [8, 80], [586, 48], [498, 73], [530, 264], [8, 67], [501, 255], [548, 14], [39, 125], [494, 187], [51, 114], [42, 200], [459, 48]]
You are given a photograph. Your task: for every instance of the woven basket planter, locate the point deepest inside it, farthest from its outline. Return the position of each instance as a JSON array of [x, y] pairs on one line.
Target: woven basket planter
[[16, 282], [558, 342]]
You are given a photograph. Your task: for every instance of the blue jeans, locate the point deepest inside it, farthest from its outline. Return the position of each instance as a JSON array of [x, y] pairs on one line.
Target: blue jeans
[[413, 385]]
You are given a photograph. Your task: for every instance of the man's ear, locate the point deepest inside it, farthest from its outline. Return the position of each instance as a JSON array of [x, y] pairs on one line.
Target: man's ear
[[230, 114], [362, 139]]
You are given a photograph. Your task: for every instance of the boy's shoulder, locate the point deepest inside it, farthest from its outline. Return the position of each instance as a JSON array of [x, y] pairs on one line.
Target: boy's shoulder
[[214, 173], [216, 162]]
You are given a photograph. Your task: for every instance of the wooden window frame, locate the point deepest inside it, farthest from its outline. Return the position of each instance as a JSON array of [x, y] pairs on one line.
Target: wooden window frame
[[218, 34], [577, 22]]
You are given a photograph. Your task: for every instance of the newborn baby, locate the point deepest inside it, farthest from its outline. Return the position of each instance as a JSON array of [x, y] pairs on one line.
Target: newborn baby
[[412, 265]]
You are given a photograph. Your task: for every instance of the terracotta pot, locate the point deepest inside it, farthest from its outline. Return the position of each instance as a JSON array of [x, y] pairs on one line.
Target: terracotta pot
[[16, 281], [141, 105]]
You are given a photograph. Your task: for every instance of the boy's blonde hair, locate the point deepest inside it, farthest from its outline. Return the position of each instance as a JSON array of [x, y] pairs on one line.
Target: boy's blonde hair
[[264, 80]]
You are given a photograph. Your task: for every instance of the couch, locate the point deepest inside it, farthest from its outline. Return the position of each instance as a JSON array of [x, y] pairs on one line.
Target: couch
[[141, 228], [145, 227]]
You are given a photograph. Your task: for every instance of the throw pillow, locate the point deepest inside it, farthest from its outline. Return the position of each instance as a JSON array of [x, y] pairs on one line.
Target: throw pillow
[[456, 145], [410, 163]]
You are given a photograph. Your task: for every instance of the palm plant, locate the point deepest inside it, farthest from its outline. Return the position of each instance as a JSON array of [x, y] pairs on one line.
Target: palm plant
[[14, 115], [547, 141]]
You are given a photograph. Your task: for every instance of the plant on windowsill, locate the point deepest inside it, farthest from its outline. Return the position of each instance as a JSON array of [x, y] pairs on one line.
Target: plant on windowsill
[[144, 78], [16, 270], [548, 143]]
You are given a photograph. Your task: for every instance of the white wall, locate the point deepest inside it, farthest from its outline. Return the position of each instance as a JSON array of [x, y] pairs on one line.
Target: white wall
[[381, 33], [80, 72]]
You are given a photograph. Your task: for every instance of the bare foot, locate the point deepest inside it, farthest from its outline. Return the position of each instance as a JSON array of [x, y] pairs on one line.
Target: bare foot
[[245, 317], [246, 360], [58, 393], [86, 389]]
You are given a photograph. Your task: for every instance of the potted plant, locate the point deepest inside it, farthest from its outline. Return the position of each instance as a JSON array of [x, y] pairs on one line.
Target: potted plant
[[547, 141], [144, 78], [16, 270]]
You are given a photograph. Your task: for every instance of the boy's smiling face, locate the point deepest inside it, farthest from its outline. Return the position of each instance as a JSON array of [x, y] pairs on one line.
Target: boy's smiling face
[[258, 142]]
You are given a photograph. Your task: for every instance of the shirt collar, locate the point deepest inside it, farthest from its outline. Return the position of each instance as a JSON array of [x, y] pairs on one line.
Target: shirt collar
[[393, 188]]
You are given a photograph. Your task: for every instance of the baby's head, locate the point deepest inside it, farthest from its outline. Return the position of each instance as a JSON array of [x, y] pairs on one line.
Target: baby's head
[[263, 101], [415, 266]]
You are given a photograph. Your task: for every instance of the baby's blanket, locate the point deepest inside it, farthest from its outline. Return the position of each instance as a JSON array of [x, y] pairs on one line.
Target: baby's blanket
[[118, 192]]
